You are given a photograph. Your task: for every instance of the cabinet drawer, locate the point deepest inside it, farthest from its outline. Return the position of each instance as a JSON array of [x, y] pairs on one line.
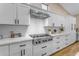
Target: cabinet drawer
[[58, 46], [59, 38]]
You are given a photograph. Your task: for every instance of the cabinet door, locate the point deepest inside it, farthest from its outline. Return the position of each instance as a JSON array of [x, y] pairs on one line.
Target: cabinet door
[[57, 20], [4, 51], [28, 48], [21, 49], [23, 13], [37, 50], [58, 42], [7, 13], [50, 49], [40, 49], [15, 50], [70, 23], [73, 37]]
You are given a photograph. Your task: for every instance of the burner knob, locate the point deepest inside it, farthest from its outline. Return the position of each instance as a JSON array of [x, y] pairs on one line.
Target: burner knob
[[45, 40], [39, 41], [36, 42]]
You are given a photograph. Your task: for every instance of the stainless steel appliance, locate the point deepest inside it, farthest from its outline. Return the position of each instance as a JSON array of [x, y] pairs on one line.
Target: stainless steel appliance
[[40, 38], [38, 14]]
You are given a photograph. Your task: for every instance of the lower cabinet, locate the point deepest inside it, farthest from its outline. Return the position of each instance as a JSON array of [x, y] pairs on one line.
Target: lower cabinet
[[21, 49], [43, 49], [69, 39], [4, 50], [73, 36], [60, 42]]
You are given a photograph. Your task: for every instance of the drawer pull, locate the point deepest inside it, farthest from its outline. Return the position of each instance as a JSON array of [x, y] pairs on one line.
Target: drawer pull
[[44, 47], [44, 54], [22, 45]]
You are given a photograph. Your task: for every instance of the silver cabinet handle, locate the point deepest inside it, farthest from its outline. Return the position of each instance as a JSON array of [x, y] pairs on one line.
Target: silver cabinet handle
[[21, 52], [24, 51], [44, 47], [22, 45], [18, 21], [44, 54], [15, 21]]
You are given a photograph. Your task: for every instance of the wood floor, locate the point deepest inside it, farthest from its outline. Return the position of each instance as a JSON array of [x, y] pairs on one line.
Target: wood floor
[[71, 50]]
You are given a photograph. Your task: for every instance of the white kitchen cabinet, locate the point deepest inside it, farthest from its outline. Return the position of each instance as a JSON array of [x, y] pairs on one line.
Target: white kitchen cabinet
[[69, 39], [73, 37], [14, 14], [70, 23], [23, 14], [43, 49], [21, 49], [7, 13], [58, 43], [57, 20], [4, 50]]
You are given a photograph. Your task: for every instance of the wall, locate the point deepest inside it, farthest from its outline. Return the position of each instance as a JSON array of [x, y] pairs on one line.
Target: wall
[[56, 8]]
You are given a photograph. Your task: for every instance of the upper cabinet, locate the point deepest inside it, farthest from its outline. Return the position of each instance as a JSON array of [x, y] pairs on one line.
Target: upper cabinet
[[7, 13], [71, 23], [14, 14], [56, 20], [23, 14]]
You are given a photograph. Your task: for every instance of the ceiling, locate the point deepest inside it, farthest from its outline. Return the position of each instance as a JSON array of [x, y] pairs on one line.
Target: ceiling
[[72, 8]]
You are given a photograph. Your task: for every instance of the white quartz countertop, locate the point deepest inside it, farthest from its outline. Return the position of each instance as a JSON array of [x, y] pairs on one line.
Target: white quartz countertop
[[26, 38], [14, 40]]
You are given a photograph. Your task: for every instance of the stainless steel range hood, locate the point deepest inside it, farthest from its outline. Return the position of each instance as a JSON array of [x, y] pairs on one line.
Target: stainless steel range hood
[[38, 14]]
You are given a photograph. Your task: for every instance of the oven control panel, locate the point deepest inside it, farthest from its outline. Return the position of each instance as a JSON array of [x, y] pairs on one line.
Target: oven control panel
[[41, 40]]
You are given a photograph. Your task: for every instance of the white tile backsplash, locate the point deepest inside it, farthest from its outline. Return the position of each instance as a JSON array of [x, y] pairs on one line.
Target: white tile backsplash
[[36, 26]]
